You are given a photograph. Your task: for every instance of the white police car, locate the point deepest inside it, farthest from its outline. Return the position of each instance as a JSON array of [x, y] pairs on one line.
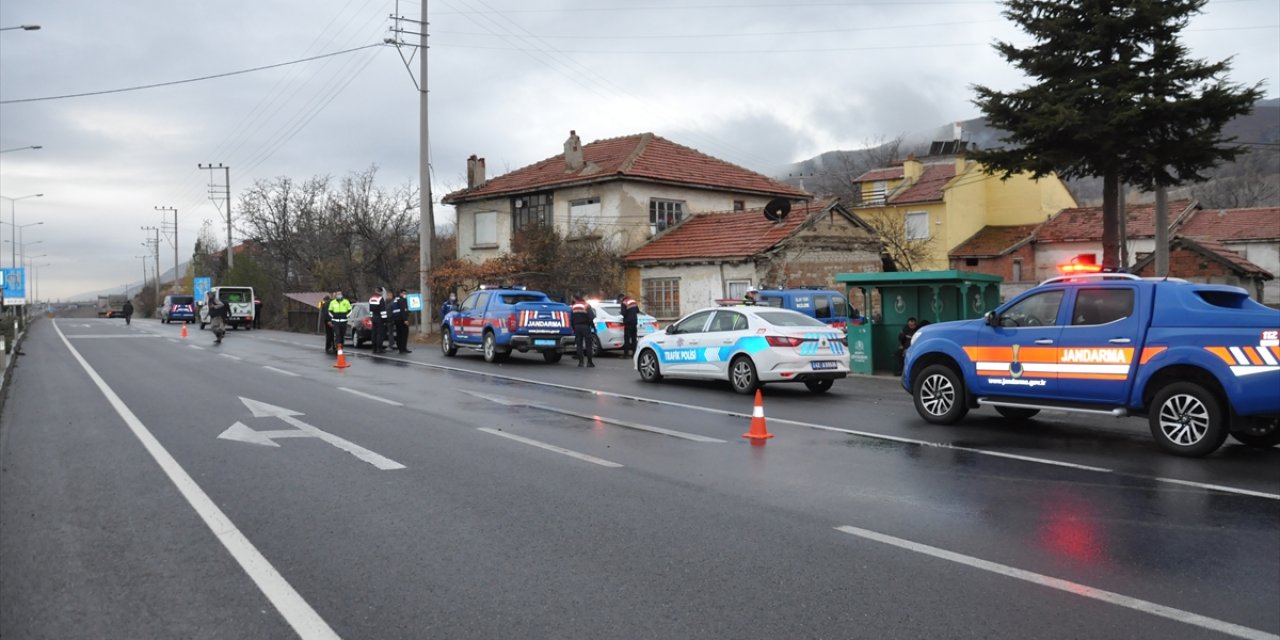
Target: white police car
[[748, 346], [609, 329]]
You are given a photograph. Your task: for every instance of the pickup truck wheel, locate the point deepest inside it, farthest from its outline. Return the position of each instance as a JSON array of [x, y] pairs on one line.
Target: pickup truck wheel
[[742, 375], [938, 393], [819, 386], [551, 357], [1186, 420], [647, 364], [1017, 413], [491, 352], [447, 347], [1259, 433]]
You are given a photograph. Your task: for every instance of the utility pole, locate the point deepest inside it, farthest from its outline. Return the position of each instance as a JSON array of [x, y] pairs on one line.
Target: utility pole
[[1162, 232], [144, 275], [427, 222], [174, 241], [155, 249], [226, 193]]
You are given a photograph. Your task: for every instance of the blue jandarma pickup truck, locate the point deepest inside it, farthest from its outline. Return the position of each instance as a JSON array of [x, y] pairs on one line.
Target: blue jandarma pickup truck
[[497, 321], [1200, 361]]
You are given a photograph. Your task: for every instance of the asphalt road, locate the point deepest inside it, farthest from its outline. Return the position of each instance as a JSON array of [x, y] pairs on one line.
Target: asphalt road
[[156, 486]]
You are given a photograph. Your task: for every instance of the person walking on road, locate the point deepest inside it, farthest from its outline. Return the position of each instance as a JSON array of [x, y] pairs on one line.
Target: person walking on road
[[217, 317], [583, 319], [338, 309], [630, 323], [400, 320], [128, 312]]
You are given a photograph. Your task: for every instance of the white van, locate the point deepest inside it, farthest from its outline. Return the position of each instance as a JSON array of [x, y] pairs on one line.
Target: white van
[[239, 301]]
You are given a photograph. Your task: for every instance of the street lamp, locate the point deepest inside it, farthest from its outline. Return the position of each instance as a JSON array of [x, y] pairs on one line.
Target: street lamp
[[36, 280], [13, 217], [34, 146], [22, 249], [24, 27]]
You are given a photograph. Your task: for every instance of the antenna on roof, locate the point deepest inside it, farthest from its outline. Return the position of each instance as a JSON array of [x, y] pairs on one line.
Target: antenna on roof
[[777, 209]]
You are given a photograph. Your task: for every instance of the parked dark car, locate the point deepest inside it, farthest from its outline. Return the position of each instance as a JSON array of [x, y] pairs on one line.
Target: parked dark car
[[360, 325]]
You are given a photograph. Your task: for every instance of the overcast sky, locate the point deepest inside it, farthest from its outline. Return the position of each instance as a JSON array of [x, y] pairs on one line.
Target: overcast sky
[[758, 82]]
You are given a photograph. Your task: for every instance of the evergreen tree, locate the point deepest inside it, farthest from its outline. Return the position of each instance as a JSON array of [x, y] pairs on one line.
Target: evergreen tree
[[1115, 94]]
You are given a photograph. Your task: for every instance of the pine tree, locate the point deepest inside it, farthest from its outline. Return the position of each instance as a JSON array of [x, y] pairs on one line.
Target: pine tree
[[1115, 94]]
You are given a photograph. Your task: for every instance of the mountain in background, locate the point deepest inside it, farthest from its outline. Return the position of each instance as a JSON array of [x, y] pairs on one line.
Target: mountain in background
[[131, 289]]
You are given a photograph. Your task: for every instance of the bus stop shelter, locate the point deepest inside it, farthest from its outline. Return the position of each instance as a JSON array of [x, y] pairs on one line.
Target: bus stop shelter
[[932, 296]]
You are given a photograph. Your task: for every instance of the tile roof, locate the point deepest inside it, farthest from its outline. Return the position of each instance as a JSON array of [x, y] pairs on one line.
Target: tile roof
[[887, 173], [1212, 249], [992, 241], [928, 187], [731, 234], [1085, 223], [1235, 225], [643, 156]]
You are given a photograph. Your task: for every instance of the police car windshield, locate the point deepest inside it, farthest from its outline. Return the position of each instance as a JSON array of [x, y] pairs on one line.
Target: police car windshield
[[784, 318], [514, 298]]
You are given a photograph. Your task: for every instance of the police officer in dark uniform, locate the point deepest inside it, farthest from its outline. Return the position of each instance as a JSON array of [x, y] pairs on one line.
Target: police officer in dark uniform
[[400, 320], [630, 323], [583, 319], [328, 326], [378, 316]]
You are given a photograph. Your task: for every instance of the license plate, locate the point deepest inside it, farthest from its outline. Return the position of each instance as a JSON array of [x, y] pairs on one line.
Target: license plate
[[825, 364], [544, 343]]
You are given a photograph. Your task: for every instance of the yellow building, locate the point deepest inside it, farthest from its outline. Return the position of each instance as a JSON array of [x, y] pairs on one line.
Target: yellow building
[[935, 206]]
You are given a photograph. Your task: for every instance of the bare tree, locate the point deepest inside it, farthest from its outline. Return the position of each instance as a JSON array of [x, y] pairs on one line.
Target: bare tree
[[908, 253], [1253, 180], [840, 168]]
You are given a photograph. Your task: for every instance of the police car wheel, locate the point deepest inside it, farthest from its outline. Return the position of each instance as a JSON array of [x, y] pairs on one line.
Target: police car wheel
[[742, 375], [491, 352], [1017, 413], [1186, 420], [819, 386], [647, 363], [447, 347], [1260, 433], [938, 393]]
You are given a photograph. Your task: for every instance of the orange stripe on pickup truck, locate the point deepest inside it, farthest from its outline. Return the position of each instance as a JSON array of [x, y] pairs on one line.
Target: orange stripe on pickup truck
[[1223, 353], [1005, 354], [1253, 355], [1150, 352]]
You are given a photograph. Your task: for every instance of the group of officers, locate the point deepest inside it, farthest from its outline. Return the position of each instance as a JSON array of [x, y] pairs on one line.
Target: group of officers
[[583, 320], [388, 315]]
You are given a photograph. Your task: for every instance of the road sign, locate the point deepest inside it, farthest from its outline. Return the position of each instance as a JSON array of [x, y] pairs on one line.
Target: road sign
[[15, 285], [242, 433], [414, 300], [202, 287]]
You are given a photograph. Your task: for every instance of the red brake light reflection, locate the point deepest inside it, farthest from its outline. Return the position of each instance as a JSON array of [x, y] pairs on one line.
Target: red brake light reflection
[[783, 341]]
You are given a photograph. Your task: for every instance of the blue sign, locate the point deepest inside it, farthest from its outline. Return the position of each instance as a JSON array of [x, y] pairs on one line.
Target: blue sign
[[15, 285], [202, 287], [414, 300]]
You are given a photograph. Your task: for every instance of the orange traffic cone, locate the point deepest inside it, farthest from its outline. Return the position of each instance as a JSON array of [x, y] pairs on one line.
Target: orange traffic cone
[[184, 329], [342, 360], [759, 431]]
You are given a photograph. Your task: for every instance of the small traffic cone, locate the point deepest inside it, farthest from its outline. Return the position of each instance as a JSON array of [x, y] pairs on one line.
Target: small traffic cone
[[184, 329], [758, 432], [342, 360]]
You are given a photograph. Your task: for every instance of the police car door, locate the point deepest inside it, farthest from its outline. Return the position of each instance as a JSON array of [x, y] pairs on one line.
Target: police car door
[[468, 324], [1019, 357], [680, 350], [1096, 347], [726, 329]]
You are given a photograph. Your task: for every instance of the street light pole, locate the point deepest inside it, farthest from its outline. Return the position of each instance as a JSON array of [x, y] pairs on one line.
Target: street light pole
[[34, 146], [13, 220], [24, 27], [175, 245]]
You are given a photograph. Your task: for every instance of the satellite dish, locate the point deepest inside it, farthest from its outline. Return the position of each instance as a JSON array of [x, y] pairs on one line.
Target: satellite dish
[[777, 209]]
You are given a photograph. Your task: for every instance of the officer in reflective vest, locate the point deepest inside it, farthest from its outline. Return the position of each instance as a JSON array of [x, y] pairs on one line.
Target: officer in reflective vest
[[378, 316], [630, 322], [583, 319], [339, 307]]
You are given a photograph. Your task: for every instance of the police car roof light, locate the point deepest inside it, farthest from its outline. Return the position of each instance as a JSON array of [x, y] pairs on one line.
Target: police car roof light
[[1091, 276]]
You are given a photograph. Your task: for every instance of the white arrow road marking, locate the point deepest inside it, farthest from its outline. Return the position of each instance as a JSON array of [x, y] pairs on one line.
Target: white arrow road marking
[[241, 433], [516, 402], [1076, 588], [551, 447]]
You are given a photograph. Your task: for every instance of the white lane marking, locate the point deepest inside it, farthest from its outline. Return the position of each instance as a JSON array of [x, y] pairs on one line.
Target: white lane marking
[[197, 348], [595, 418], [550, 447], [227, 355], [1076, 588], [174, 340], [371, 397], [287, 373], [865, 434], [108, 336], [305, 621]]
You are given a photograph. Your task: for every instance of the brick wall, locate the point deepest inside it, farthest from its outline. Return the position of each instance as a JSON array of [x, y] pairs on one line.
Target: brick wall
[[1003, 266]]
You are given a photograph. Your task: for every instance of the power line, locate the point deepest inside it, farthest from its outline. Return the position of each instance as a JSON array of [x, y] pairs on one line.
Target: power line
[[175, 82]]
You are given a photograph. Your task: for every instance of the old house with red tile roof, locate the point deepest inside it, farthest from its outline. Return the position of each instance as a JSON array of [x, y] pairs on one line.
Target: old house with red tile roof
[[1006, 251], [1253, 233], [626, 189], [1211, 261], [939, 203], [714, 256], [1078, 230]]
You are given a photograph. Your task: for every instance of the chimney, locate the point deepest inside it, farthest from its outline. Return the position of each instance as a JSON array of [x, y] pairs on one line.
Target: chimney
[[912, 168], [573, 152], [475, 172]]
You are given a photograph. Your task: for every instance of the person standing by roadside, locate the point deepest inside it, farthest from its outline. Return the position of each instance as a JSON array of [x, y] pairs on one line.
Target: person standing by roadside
[[904, 341], [338, 310], [630, 323], [378, 316], [217, 317], [583, 319], [449, 305], [328, 326], [400, 319], [257, 312], [128, 311]]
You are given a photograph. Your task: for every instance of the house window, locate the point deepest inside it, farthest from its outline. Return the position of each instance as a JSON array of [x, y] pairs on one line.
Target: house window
[[584, 211], [661, 296], [664, 213], [486, 229], [917, 227], [739, 205], [1017, 270], [531, 210], [879, 192], [736, 289], [970, 262]]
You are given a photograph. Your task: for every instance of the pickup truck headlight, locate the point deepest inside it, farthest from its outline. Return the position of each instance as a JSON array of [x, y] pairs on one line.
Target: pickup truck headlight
[[914, 336]]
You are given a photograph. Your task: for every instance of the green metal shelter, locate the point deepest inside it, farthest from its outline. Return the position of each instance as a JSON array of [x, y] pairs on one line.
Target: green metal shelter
[[935, 296]]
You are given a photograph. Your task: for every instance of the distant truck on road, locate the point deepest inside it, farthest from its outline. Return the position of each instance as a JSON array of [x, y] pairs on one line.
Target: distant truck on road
[[111, 306]]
